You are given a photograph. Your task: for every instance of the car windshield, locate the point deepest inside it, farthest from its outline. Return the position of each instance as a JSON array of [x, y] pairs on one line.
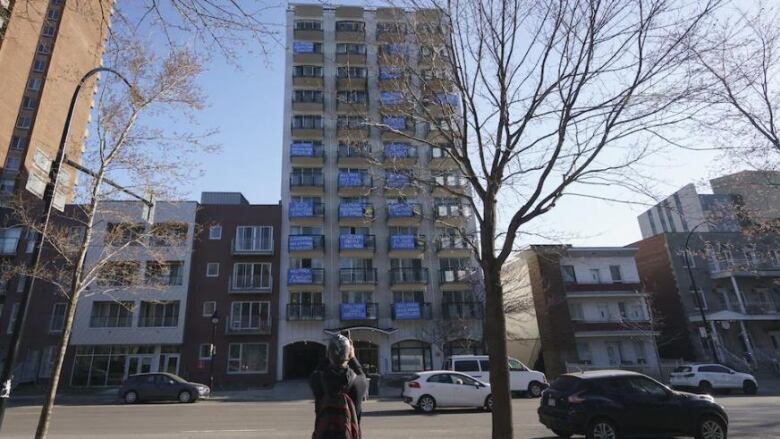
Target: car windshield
[[682, 369], [175, 378], [565, 383]]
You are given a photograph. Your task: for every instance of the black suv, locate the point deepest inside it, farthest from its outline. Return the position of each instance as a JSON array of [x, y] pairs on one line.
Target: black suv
[[610, 404]]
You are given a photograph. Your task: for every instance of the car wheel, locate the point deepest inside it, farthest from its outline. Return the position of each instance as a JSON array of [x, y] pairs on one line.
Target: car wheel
[[534, 389], [563, 434], [705, 387], [489, 403], [185, 396], [427, 404], [602, 429], [711, 428], [749, 387], [131, 397]]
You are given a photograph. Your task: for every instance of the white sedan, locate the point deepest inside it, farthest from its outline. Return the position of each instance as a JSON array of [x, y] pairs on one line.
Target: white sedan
[[430, 390], [709, 377]]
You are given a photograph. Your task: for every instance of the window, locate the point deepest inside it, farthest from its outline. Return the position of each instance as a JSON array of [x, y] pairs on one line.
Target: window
[[583, 352], [47, 361], [443, 378], [252, 276], [164, 273], [351, 122], [351, 72], [13, 163], [209, 308], [39, 66], [48, 30], [514, 364], [21, 283], [53, 14], [119, 273], [169, 234], [639, 351], [110, 314], [307, 122], [28, 103], [695, 302], [215, 232], [34, 84], [617, 275], [467, 366], [212, 269], [119, 234], [350, 26], [307, 96], [352, 97], [595, 275], [24, 122], [159, 314], [390, 27], [484, 365], [57, 321], [411, 356], [575, 311], [247, 316], [7, 185], [569, 276], [205, 351], [307, 71], [350, 48], [308, 25], [18, 142], [254, 239], [31, 238], [12, 319], [247, 358], [43, 48], [644, 386], [691, 259]]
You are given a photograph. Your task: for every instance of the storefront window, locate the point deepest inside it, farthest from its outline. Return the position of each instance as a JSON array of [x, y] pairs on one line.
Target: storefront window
[[411, 356]]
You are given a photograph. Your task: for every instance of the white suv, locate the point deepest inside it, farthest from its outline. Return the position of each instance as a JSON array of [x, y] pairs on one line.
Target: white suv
[[521, 378], [709, 377]]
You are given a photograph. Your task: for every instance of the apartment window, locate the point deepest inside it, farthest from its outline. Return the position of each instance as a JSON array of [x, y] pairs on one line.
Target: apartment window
[[250, 315], [159, 314], [9, 240], [307, 96], [691, 259], [307, 122], [575, 311], [110, 314], [307, 71], [775, 257], [351, 48], [169, 234], [18, 142], [212, 269], [308, 25], [21, 283], [47, 361], [119, 273], [352, 96], [583, 352], [57, 321], [603, 310], [595, 275], [13, 163], [695, 303], [120, 234], [350, 26], [205, 351], [164, 273], [215, 232], [39, 65], [43, 48], [639, 352], [351, 122], [394, 49], [617, 275], [12, 319], [252, 276], [254, 238], [247, 358], [31, 238], [209, 307], [48, 30], [24, 122], [28, 103], [7, 185], [390, 27], [53, 14], [351, 72]]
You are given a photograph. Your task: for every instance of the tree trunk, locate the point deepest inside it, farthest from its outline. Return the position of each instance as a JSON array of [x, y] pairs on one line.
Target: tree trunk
[[495, 335]]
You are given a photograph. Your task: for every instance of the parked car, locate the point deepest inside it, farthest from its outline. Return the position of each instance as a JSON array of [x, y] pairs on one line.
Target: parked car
[[709, 377], [161, 387], [522, 379], [610, 404], [427, 391]]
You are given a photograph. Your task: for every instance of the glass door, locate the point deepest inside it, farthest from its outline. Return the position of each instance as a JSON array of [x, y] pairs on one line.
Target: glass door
[[169, 363], [138, 364]]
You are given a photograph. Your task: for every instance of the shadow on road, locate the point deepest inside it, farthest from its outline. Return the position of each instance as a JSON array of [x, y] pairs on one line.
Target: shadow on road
[[411, 412]]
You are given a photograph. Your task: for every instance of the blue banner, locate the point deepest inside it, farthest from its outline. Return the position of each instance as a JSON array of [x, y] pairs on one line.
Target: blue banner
[[302, 149], [400, 210], [447, 98], [302, 242], [397, 180], [403, 242], [352, 242], [408, 311], [303, 47], [396, 123], [396, 150], [350, 179], [300, 209], [353, 311], [396, 49], [351, 210], [392, 97], [389, 72], [296, 276]]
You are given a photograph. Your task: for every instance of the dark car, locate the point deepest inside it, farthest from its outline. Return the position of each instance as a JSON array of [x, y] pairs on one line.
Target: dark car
[[610, 404], [161, 387]]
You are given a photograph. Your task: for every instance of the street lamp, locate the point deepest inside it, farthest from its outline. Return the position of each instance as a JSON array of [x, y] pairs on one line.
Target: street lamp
[[213, 351], [698, 296]]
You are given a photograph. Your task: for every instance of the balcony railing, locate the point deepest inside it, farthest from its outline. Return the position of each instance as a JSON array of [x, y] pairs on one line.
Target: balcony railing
[[307, 180], [305, 209], [305, 276], [357, 276], [456, 276], [406, 242], [449, 242], [305, 311], [411, 311], [158, 322], [250, 284], [356, 211], [303, 243], [743, 265], [110, 322], [408, 275], [347, 151], [359, 311], [252, 247], [404, 210], [355, 180], [761, 307], [254, 327], [306, 150], [462, 310], [450, 210], [357, 242], [399, 151]]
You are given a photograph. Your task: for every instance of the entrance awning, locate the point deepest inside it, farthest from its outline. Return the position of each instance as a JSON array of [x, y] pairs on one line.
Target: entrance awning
[[386, 331]]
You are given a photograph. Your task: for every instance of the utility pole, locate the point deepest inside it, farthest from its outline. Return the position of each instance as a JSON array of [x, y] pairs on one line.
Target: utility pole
[[696, 294]]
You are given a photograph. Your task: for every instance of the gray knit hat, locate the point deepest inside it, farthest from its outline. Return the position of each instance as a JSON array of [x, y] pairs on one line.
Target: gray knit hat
[[338, 349]]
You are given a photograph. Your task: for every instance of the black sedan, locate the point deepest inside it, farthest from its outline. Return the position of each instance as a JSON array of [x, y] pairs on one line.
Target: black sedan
[[161, 387], [612, 404]]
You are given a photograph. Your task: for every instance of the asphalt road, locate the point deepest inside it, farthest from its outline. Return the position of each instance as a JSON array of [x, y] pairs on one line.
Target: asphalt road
[[751, 417]]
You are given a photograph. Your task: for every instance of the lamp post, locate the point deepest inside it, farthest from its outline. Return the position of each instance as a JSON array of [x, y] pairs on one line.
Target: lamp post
[[696, 294], [214, 323]]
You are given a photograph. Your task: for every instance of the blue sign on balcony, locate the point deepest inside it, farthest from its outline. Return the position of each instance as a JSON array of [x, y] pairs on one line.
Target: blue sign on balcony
[[396, 49], [301, 209], [400, 210], [396, 150], [447, 98], [389, 72], [351, 210], [297, 276], [353, 311], [302, 149], [350, 179], [403, 242], [352, 242], [392, 97], [396, 123], [397, 180], [407, 311], [303, 242], [303, 47]]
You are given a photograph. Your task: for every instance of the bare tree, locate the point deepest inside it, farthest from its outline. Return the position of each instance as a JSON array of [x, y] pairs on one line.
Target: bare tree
[[528, 99]]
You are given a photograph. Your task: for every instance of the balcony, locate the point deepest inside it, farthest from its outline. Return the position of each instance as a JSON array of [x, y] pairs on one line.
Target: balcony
[[399, 184], [355, 156], [351, 58], [254, 327], [394, 101], [252, 247], [307, 184], [308, 81], [310, 57], [357, 246], [350, 34], [305, 245], [249, 284], [358, 311], [399, 155], [404, 214], [309, 105], [355, 184], [351, 83], [352, 131], [307, 132], [441, 160], [306, 154], [450, 186], [451, 214], [305, 311], [307, 34], [453, 245], [462, 311], [408, 278], [411, 311], [305, 213], [758, 267], [457, 279], [305, 279], [397, 128], [357, 279], [356, 214], [761, 307], [406, 246]]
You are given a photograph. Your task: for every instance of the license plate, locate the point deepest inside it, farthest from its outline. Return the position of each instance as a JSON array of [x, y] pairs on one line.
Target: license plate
[[551, 402]]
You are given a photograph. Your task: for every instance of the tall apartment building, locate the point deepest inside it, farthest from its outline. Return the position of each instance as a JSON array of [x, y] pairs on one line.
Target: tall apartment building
[[591, 309], [235, 278], [735, 266], [364, 247]]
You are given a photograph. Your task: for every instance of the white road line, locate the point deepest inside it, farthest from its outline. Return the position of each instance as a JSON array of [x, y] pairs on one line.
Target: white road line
[[230, 431]]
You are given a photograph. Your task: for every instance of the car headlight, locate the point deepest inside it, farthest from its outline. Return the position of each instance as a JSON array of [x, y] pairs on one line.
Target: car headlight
[[203, 390]]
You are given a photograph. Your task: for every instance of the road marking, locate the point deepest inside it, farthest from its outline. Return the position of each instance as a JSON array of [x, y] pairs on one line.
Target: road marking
[[230, 431]]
